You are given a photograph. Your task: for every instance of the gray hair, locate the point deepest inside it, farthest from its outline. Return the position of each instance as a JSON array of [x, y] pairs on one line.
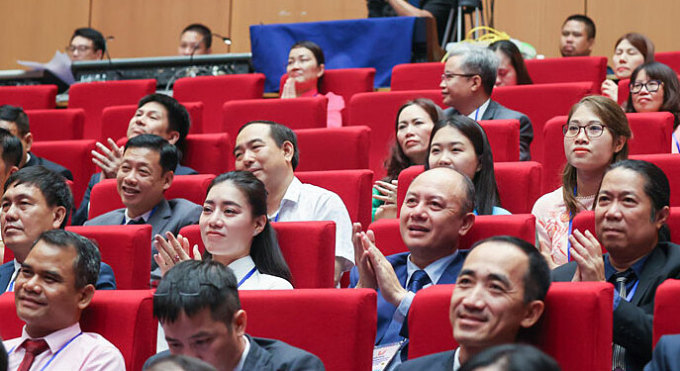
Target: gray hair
[[478, 59]]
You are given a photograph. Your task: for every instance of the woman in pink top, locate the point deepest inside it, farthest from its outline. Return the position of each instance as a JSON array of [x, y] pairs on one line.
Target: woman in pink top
[[596, 135], [305, 73]]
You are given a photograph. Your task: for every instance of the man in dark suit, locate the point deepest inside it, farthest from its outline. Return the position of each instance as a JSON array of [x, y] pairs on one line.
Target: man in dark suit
[[500, 291], [630, 214], [144, 175], [156, 114], [666, 354], [15, 120], [468, 80], [35, 200], [197, 305]]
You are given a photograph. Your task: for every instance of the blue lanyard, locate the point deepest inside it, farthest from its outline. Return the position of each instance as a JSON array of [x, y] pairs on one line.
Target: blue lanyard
[[55, 354], [677, 143], [245, 278], [477, 113], [632, 291]]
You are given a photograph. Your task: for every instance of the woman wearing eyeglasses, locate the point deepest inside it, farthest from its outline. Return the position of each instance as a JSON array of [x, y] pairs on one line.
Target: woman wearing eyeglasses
[[654, 87], [596, 135]]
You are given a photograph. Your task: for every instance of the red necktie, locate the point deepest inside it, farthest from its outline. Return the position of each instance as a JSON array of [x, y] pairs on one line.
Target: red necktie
[[33, 348]]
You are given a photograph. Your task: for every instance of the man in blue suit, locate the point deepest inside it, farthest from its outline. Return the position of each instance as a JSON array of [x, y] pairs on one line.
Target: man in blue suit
[[666, 355]]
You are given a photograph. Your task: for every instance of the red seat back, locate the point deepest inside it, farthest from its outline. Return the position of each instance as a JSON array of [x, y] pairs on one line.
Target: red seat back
[[311, 264], [56, 124], [341, 148], [559, 332], [670, 59], [666, 308], [214, 91], [669, 163], [337, 325], [123, 317], [353, 187], [208, 153], [503, 136], [104, 196], [416, 76], [624, 91], [116, 119], [29, 97], [572, 69], [93, 97]]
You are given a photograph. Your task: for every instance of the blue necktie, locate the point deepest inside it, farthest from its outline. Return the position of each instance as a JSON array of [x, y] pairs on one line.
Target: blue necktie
[[419, 279]]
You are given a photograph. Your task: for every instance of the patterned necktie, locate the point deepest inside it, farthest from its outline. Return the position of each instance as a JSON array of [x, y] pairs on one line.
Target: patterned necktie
[[620, 280], [418, 279], [33, 348]]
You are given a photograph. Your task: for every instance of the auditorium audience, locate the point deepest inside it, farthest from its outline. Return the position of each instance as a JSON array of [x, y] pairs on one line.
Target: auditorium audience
[[87, 44], [511, 357], [56, 283], [468, 80], [654, 87], [596, 134], [195, 39], [460, 143], [578, 36], [35, 200], [511, 67], [306, 66], [146, 172], [270, 151], [631, 210], [206, 311], [630, 51], [499, 292], [15, 120], [413, 125]]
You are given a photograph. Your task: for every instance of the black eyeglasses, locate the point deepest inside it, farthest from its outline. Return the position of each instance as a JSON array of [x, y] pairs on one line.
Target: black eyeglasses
[[81, 48], [591, 130], [651, 86], [449, 75]]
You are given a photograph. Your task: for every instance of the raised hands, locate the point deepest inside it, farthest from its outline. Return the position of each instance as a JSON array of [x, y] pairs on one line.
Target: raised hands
[[288, 89], [172, 251], [587, 253], [109, 159], [388, 194]]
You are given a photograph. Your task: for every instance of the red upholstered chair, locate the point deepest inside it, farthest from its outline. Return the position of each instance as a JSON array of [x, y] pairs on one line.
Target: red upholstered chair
[[624, 91], [214, 91], [378, 111], [342, 148], [116, 119], [353, 187], [208, 153], [105, 198], [671, 59], [666, 308], [29, 97], [93, 97], [311, 263], [123, 317], [388, 237], [542, 102], [503, 138], [572, 69], [301, 113], [560, 333], [126, 248], [73, 155], [56, 124], [416, 76], [669, 163], [337, 325]]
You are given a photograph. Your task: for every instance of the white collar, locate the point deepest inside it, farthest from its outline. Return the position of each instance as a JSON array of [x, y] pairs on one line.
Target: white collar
[[246, 349], [144, 216], [479, 112], [292, 195]]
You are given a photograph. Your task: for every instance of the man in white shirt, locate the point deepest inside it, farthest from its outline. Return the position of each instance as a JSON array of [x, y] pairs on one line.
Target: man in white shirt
[[269, 150]]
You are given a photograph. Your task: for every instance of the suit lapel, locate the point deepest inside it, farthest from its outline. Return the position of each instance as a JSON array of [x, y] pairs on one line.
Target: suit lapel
[[160, 217], [6, 271], [452, 271], [257, 358], [490, 111], [650, 273]]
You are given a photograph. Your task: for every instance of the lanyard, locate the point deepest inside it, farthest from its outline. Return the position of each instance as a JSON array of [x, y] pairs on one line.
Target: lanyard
[[632, 291], [477, 113], [245, 278], [55, 354], [677, 143]]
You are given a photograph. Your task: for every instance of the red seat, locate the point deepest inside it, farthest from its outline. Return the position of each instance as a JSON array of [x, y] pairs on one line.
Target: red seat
[[503, 136], [651, 134], [416, 76], [577, 342], [123, 317], [572, 69], [93, 97], [342, 148], [624, 91], [311, 264], [116, 119], [122, 247], [670, 59], [338, 325], [666, 308], [669, 163], [301, 113], [214, 91], [29, 97], [388, 238], [73, 155], [353, 187], [105, 198], [56, 124], [208, 153]]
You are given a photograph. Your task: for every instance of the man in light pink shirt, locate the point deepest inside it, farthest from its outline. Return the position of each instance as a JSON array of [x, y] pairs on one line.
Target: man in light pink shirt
[[55, 284]]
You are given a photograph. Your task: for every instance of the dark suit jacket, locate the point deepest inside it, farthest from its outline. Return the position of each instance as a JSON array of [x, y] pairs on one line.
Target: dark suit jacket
[[385, 309], [35, 160], [80, 215], [106, 280], [432, 362], [269, 354], [633, 320], [495, 111], [666, 354]]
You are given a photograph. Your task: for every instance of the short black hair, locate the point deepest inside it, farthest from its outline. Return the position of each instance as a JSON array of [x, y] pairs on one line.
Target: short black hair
[[590, 25], [88, 259], [209, 284], [97, 38], [512, 357], [537, 278], [52, 186], [178, 116], [12, 150], [203, 30], [280, 134], [185, 363], [168, 153], [3, 356], [16, 115]]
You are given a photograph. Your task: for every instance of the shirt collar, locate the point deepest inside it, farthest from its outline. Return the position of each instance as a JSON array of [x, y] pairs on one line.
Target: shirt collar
[[246, 349], [434, 270], [456, 359], [242, 266], [12, 279], [57, 339], [609, 270], [479, 112], [292, 195], [144, 216]]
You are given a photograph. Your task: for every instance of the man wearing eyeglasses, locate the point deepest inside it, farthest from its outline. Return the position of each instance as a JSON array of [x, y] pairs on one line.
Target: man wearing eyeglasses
[[87, 44], [468, 80]]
